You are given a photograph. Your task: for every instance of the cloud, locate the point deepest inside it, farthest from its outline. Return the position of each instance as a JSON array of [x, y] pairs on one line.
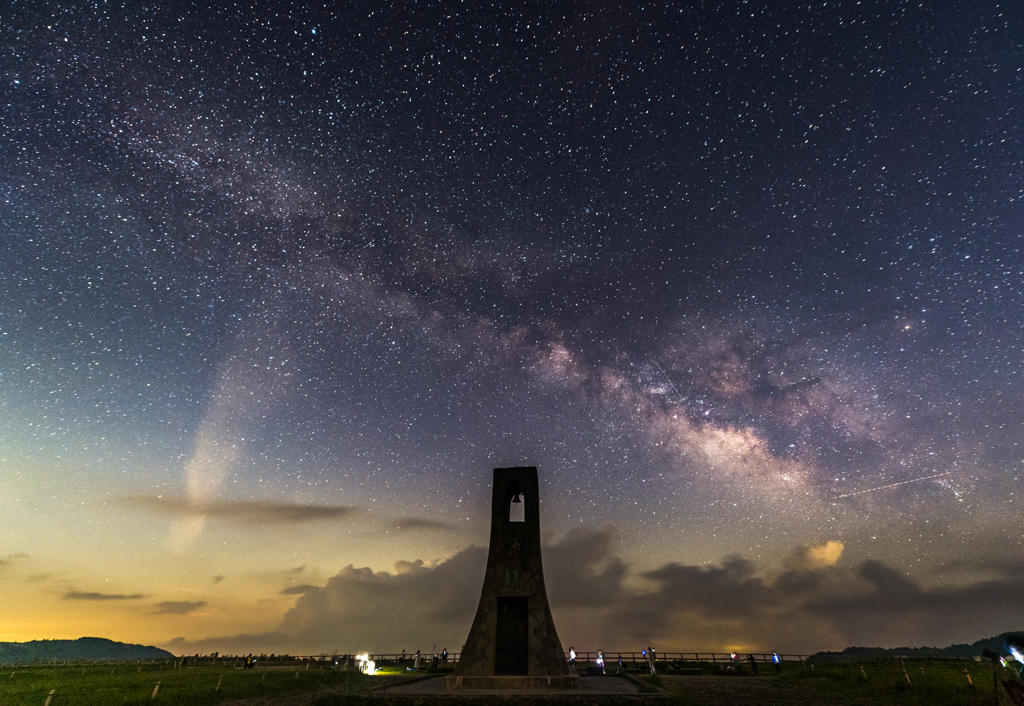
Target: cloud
[[12, 559], [984, 562], [583, 571], [813, 556], [298, 590], [177, 607], [415, 607], [244, 512], [253, 375], [359, 605], [882, 602], [814, 603], [422, 604], [94, 596]]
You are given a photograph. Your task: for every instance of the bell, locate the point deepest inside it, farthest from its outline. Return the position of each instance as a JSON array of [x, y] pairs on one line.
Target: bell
[[517, 498]]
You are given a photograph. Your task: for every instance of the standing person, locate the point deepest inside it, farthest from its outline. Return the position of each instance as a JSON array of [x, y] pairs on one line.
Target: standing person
[[416, 662], [777, 661], [572, 657], [402, 658], [600, 660], [753, 663], [650, 659], [444, 656]]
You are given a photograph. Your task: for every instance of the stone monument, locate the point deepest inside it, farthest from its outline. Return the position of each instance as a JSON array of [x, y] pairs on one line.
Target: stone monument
[[513, 643]]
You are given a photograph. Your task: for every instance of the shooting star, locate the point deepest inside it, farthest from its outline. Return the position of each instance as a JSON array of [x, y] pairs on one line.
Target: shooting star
[[892, 485], [668, 380]]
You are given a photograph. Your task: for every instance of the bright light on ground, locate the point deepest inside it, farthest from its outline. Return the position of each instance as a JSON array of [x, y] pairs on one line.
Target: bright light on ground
[[366, 665]]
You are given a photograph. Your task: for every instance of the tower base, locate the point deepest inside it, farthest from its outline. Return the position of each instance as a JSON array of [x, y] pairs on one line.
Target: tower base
[[555, 681]]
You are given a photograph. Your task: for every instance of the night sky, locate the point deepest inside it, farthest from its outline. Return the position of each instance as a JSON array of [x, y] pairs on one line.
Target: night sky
[[280, 285]]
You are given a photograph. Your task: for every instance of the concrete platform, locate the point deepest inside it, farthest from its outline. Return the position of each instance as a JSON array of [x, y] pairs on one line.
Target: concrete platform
[[600, 691], [500, 683]]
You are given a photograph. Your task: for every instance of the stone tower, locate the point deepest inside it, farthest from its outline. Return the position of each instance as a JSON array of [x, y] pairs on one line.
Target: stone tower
[[513, 643]]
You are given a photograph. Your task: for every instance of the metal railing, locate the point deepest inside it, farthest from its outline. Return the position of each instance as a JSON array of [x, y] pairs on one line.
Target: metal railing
[[383, 658], [630, 660], [612, 657]]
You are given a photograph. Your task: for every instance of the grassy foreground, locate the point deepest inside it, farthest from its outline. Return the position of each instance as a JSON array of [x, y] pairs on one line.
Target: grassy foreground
[[870, 684], [128, 684], [874, 683]]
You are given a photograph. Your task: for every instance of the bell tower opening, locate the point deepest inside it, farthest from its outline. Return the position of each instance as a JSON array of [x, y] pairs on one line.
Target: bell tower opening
[[516, 502]]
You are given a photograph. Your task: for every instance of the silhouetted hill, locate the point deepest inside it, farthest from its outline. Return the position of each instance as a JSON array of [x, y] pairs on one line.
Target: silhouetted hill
[[867, 654], [82, 648]]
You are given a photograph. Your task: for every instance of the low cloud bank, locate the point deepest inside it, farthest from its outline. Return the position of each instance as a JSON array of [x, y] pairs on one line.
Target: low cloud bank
[[96, 596], [177, 607], [814, 603], [256, 512]]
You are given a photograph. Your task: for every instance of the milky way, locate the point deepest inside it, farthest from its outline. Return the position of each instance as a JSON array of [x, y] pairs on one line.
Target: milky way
[[743, 282]]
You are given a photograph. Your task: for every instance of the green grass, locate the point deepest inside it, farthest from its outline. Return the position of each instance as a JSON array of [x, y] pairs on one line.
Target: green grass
[[938, 684], [110, 685], [882, 683]]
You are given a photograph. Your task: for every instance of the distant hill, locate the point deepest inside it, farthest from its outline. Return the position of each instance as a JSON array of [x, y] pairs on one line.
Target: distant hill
[[82, 648], [867, 654]]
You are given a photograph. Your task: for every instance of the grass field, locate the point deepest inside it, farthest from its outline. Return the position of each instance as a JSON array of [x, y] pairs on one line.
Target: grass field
[[107, 684], [703, 684], [875, 683]]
